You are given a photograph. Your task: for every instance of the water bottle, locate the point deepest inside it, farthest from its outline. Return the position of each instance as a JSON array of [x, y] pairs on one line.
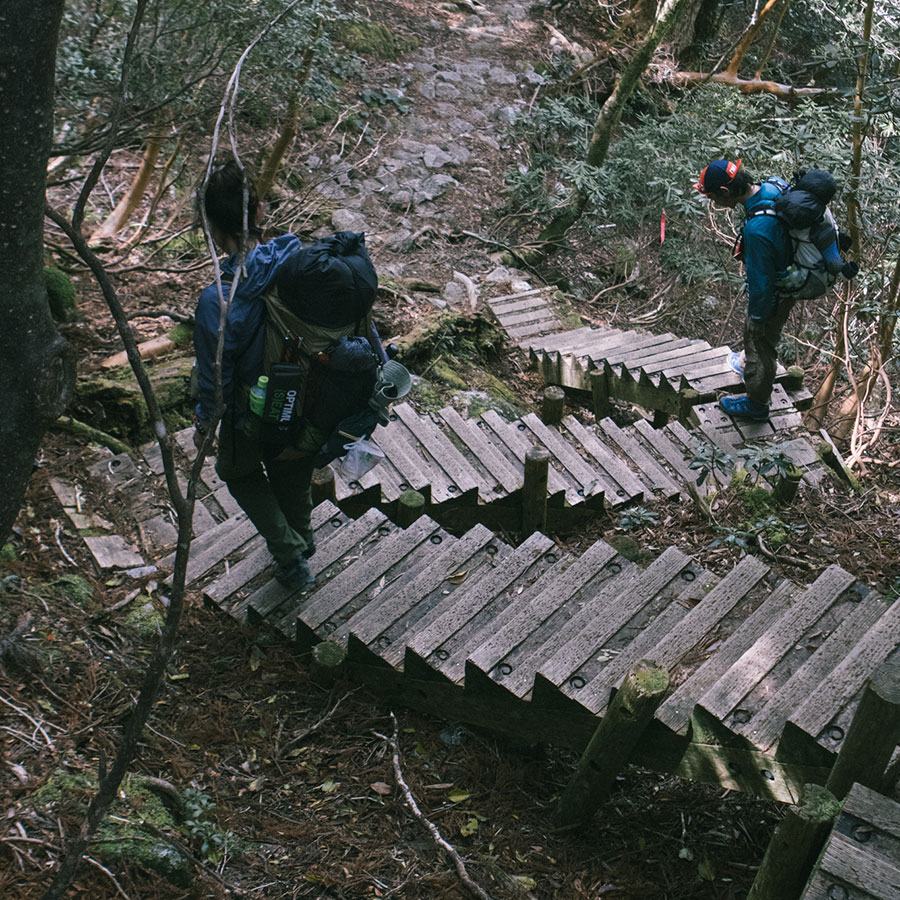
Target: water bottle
[[257, 404]]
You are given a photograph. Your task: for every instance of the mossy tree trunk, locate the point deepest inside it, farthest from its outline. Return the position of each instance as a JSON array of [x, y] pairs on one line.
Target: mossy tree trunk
[[605, 125], [36, 369]]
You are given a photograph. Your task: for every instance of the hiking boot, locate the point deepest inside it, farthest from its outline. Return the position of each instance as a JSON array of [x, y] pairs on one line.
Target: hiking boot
[[296, 576], [736, 361], [744, 408]]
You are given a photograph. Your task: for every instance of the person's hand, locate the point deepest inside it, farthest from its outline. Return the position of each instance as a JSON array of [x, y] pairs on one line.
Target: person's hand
[[199, 437]]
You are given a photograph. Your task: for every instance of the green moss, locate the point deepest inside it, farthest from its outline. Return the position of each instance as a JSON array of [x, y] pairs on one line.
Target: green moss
[[8, 554], [628, 547], [375, 39], [122, 837], [145, 620], [77, 589], [61, 295], [182, 335], [757, 501]]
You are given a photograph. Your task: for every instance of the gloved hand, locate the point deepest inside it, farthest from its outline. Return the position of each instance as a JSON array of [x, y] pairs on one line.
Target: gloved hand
[[850, 270]]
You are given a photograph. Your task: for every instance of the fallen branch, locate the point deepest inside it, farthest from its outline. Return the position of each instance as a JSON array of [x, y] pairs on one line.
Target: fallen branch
[[304, 733], [793, 560], [461, 871], [74, 426]]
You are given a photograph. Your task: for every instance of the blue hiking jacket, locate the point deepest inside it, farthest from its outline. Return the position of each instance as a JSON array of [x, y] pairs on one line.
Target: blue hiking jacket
[[242, 358], [767, 251]]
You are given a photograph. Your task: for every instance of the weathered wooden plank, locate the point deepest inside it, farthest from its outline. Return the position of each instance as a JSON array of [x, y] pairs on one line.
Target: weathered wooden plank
[[588, 479], [873, 808], [552, 342], [633, 358], [517, 305], [594, 344], [848, 869], [674, 365], [667, 451], [461, 475], [625, 486], [534, 314], [412, 434], [724, 700], [670, 355], [584, 634], [518, 445], [256, 559], [505, 475], [377, 616], [492, 301], [660, 480], [764, 729], [520, 332], [831, 705], [675, 711], [678, 631], [415, 470], [442, 622], [372, 565]]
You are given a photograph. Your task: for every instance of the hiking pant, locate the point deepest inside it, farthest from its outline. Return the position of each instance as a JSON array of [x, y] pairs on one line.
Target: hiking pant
[[275, 495], [760, 345]]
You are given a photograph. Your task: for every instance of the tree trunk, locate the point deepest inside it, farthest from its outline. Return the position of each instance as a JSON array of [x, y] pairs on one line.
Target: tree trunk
[[36, 365], [131, 199], [607, 120], [748, 38]]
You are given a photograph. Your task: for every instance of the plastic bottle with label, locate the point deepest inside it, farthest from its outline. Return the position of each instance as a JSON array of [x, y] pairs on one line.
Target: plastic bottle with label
[[257, 404]]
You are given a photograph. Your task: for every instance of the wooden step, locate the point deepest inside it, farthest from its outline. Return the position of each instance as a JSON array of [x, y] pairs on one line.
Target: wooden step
[[523, 565], [651, 474], [742, 691], [658, 444], [554, 342]]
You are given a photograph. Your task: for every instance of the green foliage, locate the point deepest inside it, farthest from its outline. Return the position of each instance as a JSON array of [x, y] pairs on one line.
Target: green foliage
[[636, 517], [710, 459], [767, 458], [77, 590], [61, 295], [206, 836]]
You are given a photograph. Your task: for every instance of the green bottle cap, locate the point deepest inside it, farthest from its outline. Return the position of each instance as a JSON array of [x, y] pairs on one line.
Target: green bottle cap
[[263, 380]]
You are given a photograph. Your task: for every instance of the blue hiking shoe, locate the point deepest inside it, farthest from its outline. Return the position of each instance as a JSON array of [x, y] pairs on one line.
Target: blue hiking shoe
[[297, 576], [744, 408]]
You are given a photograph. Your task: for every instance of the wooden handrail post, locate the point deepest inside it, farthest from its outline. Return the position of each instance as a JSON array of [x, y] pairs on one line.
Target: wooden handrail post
[[322, 486], [873, 734], [600, 393], [554, 405], [534, 490], [613, 743], [786, 487], [326, 663], [410, 505], [795, 846]]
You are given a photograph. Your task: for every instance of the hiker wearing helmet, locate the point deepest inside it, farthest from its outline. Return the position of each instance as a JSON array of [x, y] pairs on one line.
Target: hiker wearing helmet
[[766, 253]]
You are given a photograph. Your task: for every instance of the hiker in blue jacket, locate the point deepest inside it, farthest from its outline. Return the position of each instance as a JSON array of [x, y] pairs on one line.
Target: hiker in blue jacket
[[273, 492], [767, 252]]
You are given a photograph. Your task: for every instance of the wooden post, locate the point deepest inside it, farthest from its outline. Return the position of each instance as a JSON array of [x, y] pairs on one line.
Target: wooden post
[[688, 399], [600, 393], [554, 404], [793, 379], [613, 743], [410, 505], [873, 734], [322, 486], [795, 846], [534, 490], [326, 663], [786, 488]]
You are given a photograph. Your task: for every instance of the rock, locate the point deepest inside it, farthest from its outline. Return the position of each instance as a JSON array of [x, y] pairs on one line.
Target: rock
[[313, 162], [518, 286], [437, 303], [454, 293], [372, 204], [507, 115], [434, 157], [426, 89], [449, 75], [500, 274], [532, 77], [499, 75], [348, 220], [400, 200], [460, 126], [446, 91], [435, 186]]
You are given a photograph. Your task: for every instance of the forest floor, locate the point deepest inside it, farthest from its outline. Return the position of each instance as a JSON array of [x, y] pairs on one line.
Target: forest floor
[[294, 784]]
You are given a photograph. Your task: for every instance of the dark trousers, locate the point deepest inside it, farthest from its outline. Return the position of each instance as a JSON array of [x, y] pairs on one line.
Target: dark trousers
[[760, 345], [275, 495]]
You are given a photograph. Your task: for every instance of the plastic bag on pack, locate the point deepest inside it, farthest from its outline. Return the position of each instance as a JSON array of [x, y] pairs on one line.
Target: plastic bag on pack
[[362, 456]]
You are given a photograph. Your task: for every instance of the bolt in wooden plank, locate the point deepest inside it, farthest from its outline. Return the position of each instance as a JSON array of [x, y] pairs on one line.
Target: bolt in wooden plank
[[833, 701], [659, 479], [756, 663], [371, 565], [670, 637], [581, 637], [574, 464], [675, 712], [379, 614], [874, 809], [764, 729], [625, 485], [415, 471], [497, 465], [461, 475], [516, 623], [444, 620], [441, 483], [519, 445]]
